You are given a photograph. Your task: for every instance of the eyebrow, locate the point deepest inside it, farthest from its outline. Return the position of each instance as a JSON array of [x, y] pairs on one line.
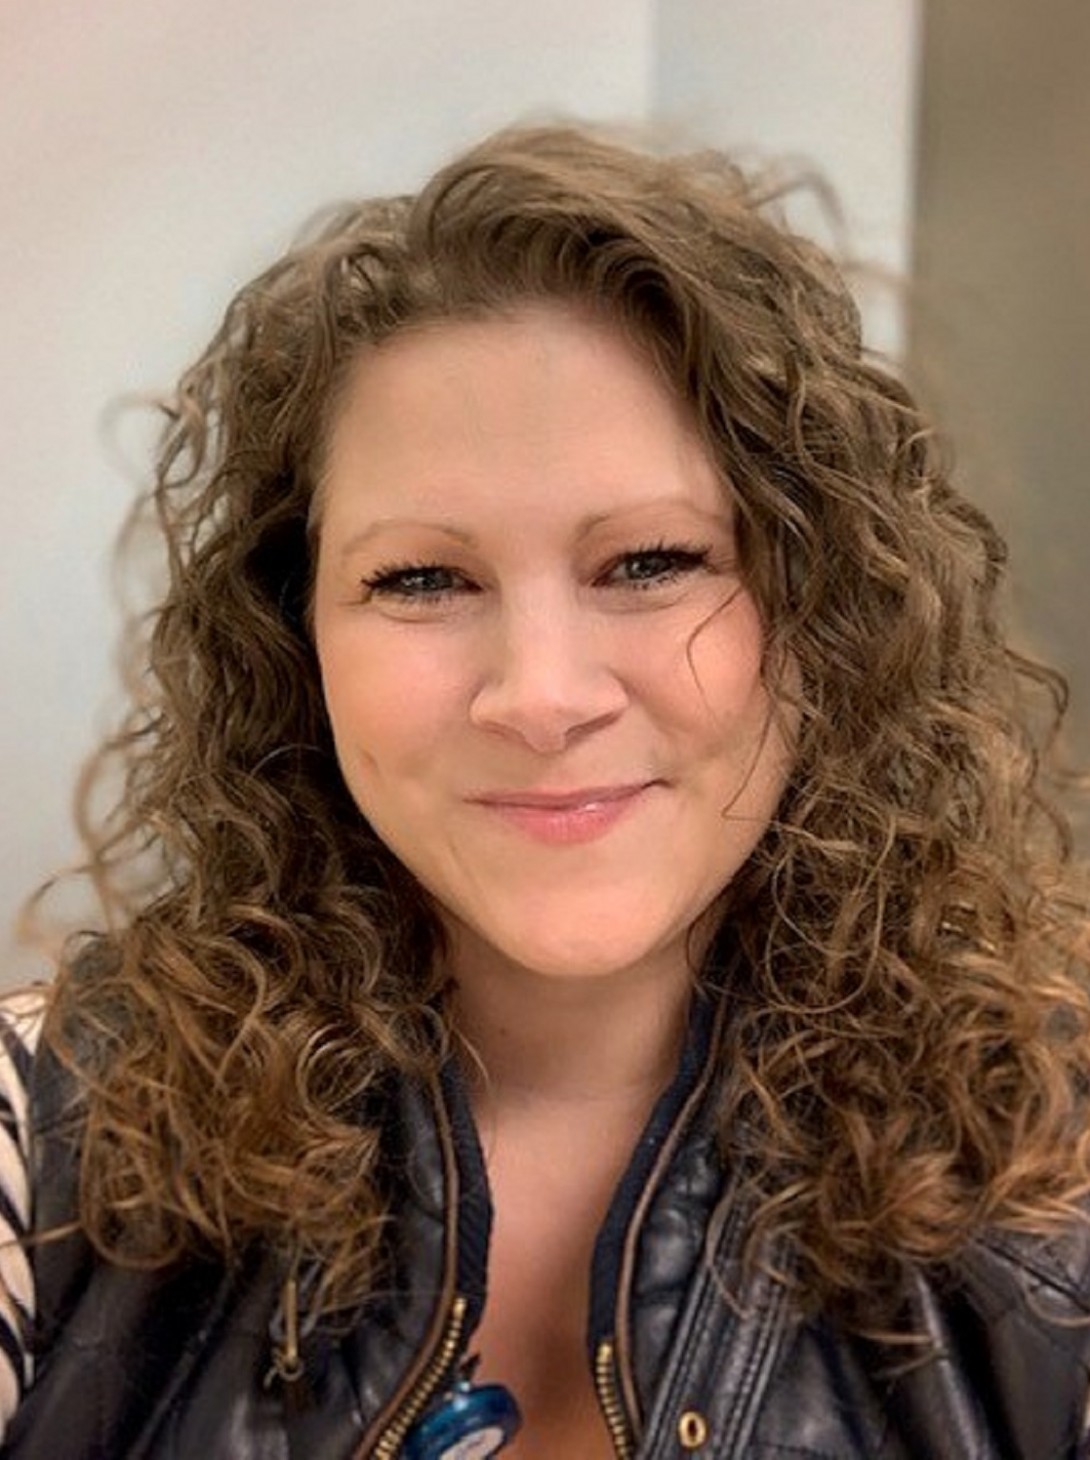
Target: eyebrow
[[383, 524], [585, 526], [597, 519]]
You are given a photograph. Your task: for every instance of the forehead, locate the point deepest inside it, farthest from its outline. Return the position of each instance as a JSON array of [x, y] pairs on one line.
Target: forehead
[[546, 398]]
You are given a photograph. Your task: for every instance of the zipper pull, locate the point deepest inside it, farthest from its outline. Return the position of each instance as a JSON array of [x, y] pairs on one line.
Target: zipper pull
[[469, 1422], [287, 1363]]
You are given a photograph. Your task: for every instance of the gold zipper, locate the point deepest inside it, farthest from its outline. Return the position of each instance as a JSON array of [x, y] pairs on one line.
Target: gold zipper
[[390, 1441], [610, 1401]]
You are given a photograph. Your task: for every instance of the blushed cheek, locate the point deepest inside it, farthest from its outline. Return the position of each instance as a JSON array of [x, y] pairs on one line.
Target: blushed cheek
[[723, 671], [391, 714]]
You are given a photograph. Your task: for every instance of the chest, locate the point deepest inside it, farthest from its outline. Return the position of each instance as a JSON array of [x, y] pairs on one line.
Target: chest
[[533, 1336]]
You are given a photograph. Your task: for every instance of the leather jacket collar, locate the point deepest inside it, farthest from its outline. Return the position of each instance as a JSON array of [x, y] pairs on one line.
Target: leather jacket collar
[[647, 1250], [174, 1364]]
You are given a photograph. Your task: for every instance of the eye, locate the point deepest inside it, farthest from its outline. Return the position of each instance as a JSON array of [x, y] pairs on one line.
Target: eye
[[416, 583], [651, 566]]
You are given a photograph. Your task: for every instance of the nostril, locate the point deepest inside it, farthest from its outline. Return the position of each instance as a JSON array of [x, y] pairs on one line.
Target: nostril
[[547, 715]]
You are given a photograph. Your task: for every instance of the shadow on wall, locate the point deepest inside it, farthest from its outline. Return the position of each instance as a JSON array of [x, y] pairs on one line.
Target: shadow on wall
[[1000, 332]]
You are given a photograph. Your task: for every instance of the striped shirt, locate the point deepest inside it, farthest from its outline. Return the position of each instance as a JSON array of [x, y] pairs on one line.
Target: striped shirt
[[21, 1016]]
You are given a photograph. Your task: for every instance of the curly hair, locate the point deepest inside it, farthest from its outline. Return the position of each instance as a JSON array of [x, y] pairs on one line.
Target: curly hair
[[908, 1041]]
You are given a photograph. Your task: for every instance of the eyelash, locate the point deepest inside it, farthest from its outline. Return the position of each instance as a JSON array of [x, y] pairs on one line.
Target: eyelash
[[677, 560], [394, 580]]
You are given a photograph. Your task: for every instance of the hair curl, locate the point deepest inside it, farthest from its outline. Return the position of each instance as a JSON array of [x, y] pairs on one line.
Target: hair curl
[[908, 1039]]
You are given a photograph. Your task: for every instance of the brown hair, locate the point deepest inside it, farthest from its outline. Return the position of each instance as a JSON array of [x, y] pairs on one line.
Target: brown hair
[[909, 1022]]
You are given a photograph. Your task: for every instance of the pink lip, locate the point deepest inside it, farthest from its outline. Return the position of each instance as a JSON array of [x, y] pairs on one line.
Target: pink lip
[[565, 817]]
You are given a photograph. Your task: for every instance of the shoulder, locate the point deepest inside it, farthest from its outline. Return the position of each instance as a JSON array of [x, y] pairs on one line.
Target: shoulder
[[1016, 1313], [1033, 1292], [1049, 1272], [22, 1018], [22, 1015]]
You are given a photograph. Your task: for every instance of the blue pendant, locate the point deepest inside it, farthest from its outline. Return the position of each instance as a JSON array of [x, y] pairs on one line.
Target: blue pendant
[[470, 1422]]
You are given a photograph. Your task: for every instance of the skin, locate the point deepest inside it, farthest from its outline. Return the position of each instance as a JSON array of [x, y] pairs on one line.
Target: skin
[[528, 583]]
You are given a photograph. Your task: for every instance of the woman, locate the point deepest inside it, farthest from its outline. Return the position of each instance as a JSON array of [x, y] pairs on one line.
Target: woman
[[586, 937]]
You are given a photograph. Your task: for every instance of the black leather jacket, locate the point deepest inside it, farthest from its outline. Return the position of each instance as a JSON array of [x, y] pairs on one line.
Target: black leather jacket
[[176, 1365]]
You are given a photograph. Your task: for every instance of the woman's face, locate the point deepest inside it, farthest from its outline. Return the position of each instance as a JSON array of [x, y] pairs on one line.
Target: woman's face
[[541, 665]]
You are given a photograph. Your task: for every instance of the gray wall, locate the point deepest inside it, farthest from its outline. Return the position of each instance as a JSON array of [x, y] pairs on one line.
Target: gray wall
[[1001, 335]]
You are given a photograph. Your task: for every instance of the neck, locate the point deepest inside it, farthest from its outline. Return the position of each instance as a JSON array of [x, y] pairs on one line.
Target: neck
[[544, 1039]]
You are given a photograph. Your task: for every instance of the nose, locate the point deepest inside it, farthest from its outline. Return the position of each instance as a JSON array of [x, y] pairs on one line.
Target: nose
[[549, 677]]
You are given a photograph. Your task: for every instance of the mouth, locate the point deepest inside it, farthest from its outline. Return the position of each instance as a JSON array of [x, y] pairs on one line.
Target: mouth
[[566, 817], [562, 800]]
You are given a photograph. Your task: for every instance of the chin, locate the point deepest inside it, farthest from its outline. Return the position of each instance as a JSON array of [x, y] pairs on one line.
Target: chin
[[590, 954]]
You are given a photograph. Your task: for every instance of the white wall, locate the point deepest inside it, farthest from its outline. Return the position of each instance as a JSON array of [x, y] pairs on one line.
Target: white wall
[[829, 84], [154, 155]]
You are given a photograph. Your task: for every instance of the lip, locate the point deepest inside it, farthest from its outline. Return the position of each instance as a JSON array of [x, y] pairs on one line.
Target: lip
[[566, 817]]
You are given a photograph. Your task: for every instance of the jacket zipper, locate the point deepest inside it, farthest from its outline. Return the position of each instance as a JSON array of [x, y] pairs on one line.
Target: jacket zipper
[[610, 1400], [393, 1436]]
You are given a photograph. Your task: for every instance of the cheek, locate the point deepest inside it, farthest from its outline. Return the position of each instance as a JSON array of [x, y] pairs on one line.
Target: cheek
[[718, 675], [386, 704]]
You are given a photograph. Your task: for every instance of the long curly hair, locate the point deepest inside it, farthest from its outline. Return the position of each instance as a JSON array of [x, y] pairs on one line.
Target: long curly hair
[[908, 1038]]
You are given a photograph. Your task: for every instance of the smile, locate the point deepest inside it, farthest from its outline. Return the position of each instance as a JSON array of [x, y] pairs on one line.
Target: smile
[[567, 817]]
